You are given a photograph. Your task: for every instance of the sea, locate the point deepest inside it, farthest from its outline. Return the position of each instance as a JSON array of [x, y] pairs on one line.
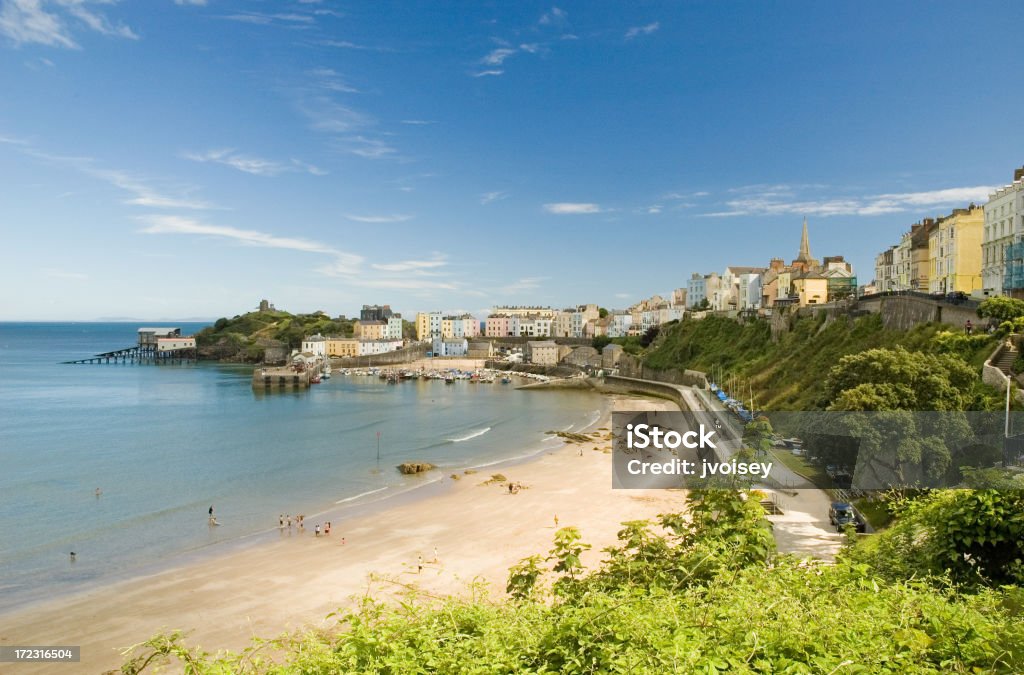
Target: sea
[[164, 443]]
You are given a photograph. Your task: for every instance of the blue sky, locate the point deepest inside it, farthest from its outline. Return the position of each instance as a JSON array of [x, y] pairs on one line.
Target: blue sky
[[182, 158]]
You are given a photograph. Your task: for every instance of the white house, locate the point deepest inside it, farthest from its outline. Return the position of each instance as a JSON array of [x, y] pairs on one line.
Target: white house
[[1004, 225], [450, 346], [372, 347], [315, 345]]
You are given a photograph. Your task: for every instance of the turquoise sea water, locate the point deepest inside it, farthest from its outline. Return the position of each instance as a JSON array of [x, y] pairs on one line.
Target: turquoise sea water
[[164, 443]]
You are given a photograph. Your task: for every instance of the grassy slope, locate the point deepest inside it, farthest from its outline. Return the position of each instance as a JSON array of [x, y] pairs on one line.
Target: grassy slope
[[789, 374], [243, 331]]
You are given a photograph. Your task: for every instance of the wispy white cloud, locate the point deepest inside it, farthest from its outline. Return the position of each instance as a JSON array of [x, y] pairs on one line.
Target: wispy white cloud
[[266, 19], [496, 57], [785, 199], [488, 73], [523, 284], [97, 22], [410, 265], [327, 115], [488, 197], [51, 22], [352, 268], [190, 2], [623, 296], [142, 191], [653, 209], [169, 224], [419, 122], [390, 218], [368, 148], [252, 165], [641, 30], [553, 17], [346, 44], [55, 273], [572, 208], [685, 195], [10, 140], [329, 79]]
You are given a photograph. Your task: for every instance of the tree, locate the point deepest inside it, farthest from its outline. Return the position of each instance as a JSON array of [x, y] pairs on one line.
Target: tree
[[1001, 308], [602, 312], [895, 379], [600, 342], [758, 435], [650, 336], [703, 304]]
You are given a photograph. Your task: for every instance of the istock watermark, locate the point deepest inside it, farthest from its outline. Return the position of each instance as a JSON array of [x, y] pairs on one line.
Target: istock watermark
[[852, 451]]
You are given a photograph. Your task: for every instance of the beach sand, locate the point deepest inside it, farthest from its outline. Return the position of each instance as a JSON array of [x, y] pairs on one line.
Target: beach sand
[[478, 530]]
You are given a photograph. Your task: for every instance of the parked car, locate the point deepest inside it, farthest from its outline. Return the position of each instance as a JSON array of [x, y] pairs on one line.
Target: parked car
[[842, 514]]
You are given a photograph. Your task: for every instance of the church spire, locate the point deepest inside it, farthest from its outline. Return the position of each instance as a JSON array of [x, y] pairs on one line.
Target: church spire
[[805, 246]]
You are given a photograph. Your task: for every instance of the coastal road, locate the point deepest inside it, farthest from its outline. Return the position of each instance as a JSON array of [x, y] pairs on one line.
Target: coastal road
[[803, 528]]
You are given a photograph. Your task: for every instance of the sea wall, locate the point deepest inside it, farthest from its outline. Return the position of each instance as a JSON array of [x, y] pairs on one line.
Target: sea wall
[[404, 355], [550, 371], [617, 384], [631, 366]]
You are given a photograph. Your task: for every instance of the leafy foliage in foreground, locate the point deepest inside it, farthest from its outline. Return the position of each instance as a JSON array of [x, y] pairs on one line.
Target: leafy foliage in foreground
[[691, 595], [976, 537]]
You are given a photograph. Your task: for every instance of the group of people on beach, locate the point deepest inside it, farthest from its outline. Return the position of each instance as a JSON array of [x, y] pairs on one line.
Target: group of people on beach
[[287, 519]]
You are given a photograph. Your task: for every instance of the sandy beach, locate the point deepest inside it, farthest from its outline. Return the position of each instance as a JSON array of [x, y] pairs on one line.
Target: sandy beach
[[471, 531]]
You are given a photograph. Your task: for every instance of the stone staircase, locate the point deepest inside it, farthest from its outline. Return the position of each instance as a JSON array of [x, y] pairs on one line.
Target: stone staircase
[[771, 507], [1004, 361]]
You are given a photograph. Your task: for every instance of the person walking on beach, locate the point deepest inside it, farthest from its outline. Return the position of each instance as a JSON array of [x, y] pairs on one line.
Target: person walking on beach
[[211, 510], [419, 564], [318, 529], [556, 520], [343, 541], [289, 517], [327, 528], [280, 520]]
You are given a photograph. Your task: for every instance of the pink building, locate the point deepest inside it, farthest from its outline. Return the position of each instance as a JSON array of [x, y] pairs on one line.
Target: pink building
[[496, 326]]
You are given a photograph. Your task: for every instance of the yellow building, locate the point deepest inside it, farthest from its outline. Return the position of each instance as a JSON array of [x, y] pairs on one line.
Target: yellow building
[[784, 283], [954, 251], [342, 347], [370, 330], [811, 288]]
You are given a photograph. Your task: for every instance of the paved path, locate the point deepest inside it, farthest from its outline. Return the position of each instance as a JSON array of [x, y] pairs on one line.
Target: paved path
[[803, 528]]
